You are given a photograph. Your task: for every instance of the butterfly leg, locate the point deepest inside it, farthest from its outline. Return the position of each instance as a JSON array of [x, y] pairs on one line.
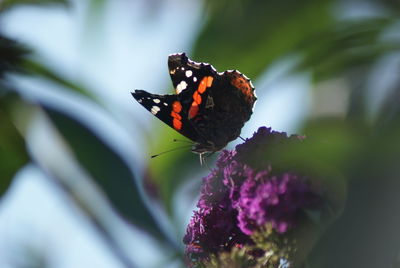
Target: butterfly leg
[[201, 155]]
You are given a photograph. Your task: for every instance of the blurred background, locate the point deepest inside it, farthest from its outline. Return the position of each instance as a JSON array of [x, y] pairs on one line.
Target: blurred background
[[77, 185]]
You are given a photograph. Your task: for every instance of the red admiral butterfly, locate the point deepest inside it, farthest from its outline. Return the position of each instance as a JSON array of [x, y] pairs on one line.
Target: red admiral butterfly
[[210, 108]]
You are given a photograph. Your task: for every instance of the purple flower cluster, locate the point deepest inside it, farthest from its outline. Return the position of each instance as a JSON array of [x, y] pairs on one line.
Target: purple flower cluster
[[243, 194], [273, 199]]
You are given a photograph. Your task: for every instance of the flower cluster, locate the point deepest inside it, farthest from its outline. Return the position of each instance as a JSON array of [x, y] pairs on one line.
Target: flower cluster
[[243, 196]]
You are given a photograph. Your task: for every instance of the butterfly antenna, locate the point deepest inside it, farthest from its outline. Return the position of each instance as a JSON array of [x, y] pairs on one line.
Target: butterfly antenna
[[171, 150], [242, 138]]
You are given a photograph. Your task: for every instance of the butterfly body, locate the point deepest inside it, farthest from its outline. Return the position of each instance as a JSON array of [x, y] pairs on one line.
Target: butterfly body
[[209, 108]]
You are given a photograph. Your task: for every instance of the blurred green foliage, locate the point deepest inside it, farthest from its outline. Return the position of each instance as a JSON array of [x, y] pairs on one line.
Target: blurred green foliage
[[13, 154], [8, 4], [250, 35], [108, 169], [345, 46]]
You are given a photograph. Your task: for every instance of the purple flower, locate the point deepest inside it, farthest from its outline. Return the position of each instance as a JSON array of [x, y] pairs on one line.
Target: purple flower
[[225, 157], [211, 231], [276, 200], [244, 194]]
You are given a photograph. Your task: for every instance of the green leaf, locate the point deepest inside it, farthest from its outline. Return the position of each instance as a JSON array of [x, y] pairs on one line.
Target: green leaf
[[13, 153], [249, 35], [108, 168], [345, 46]]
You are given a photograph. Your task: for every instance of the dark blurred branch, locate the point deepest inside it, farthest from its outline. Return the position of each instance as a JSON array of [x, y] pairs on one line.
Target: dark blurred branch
[[35, 68], [11, 56], [15, 58]]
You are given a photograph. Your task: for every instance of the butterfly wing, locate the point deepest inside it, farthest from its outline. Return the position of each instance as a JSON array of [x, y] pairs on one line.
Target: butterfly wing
[[186, 74], [226, 104], [210, 108], [168, 109], [191, 80], [199, 86]]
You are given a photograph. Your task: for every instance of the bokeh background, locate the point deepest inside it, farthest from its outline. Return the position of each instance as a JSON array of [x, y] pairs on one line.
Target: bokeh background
[[78, 187]]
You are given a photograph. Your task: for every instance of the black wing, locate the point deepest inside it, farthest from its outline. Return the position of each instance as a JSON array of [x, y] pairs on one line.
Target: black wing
[[168, 109], [187, 74]]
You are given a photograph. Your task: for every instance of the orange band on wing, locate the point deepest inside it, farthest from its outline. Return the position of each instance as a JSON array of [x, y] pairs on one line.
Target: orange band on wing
[[196, 97], [209, 81], [176, 109], [176, 115], [204, 84], [194, 109], [177, 124]]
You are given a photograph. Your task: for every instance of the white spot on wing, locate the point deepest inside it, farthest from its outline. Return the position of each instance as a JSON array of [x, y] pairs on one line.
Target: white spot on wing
[[182, 68], [166, 104], [181, 86], [155, 109], [188, 73], [195, 79], [156, 100]]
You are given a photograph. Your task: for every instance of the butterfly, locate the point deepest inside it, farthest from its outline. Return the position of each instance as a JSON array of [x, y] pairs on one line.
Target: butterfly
[[209, 107]]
